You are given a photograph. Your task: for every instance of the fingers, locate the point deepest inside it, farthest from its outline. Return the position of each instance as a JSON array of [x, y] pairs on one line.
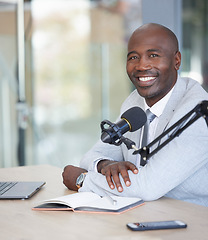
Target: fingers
[[113, 172], [132, 167], [112, 177]]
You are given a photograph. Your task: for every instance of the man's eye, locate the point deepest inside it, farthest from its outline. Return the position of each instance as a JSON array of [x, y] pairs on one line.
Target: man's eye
[[153, 55], [132, 58]]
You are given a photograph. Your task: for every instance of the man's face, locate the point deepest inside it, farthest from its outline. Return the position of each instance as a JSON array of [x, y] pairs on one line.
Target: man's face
[[152, 64]]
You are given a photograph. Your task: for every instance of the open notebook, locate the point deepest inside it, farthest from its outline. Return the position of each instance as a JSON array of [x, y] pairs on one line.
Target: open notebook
[[89, 202], [19, 190]]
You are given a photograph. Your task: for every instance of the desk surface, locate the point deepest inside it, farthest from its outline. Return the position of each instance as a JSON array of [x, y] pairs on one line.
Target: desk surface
[[18, 221]]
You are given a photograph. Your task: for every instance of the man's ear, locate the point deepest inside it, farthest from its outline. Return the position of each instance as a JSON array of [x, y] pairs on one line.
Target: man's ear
[[177, 60]]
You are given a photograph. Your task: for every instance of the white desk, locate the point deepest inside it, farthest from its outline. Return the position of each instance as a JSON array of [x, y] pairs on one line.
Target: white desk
[[18, 221]]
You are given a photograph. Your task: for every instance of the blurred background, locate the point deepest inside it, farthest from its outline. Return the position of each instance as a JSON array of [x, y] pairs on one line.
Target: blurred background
[[62, 69]]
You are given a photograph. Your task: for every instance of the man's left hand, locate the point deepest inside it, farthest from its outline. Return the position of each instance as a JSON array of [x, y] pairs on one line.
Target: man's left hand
[[112, 169]]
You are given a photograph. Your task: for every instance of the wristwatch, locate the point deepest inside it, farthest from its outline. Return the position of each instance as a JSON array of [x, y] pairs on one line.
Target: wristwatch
[[80, 180]]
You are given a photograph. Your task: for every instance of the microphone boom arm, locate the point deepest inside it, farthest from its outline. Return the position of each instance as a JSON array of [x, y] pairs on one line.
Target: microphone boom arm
[[201, 110]]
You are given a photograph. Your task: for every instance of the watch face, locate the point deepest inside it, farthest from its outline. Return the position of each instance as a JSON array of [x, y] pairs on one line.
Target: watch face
[[80, 180]]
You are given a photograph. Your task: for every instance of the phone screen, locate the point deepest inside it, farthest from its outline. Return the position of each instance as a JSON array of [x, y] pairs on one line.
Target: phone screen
[[142, 226]]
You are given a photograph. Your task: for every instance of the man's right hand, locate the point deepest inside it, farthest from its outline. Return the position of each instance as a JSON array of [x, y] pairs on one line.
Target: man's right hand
[[70, 175]]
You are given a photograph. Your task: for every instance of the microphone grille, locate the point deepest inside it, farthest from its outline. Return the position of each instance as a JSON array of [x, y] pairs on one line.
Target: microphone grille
[[136, 117]]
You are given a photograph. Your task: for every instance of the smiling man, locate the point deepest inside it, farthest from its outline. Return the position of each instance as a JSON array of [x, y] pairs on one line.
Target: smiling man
[[180, 169], [153, 63]]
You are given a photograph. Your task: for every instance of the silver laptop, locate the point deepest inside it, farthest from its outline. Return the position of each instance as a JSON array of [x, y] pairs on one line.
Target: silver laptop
[[19, 190]]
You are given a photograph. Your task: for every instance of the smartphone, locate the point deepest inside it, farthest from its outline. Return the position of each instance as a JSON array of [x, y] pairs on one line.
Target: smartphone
[[143, 226]]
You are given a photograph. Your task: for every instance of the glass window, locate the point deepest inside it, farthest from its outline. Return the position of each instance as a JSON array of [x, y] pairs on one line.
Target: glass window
[[8, 85], [79, 55], [195, 39]]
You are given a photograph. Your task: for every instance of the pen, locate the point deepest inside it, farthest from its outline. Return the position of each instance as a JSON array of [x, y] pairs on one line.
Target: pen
[[113, 201]]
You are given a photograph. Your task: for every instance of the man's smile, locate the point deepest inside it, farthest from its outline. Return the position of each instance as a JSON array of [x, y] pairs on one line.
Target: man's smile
[[146, 79]]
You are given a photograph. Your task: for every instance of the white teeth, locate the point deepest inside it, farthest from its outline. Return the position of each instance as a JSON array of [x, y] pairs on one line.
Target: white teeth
[[144, 79]]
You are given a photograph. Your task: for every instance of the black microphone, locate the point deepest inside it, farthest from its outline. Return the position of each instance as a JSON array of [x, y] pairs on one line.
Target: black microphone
[[131, 120]]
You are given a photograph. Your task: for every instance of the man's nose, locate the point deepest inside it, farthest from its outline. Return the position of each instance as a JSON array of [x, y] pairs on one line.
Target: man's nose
[[143, 64]]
